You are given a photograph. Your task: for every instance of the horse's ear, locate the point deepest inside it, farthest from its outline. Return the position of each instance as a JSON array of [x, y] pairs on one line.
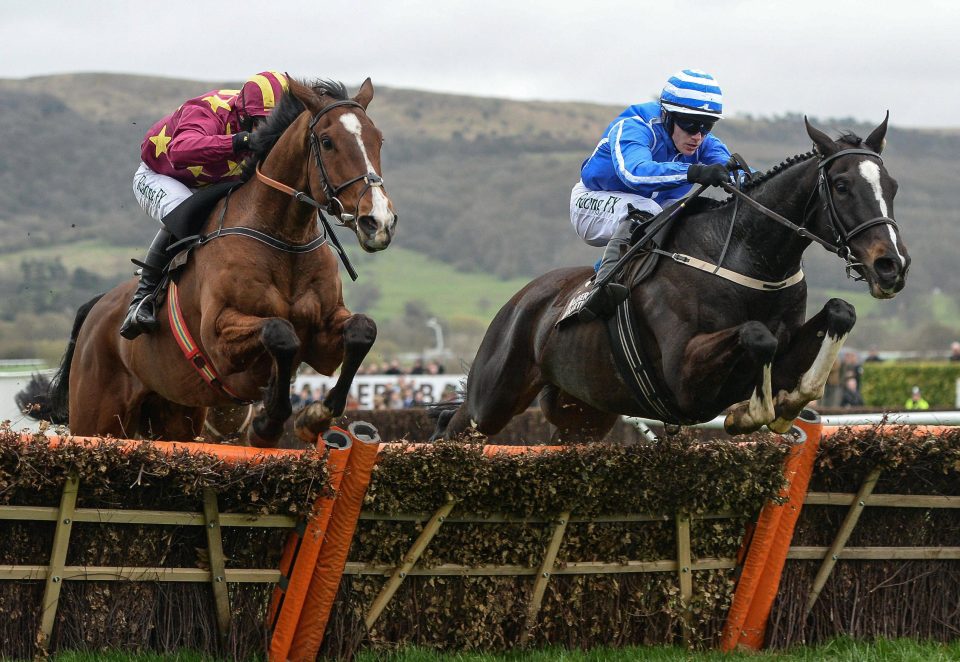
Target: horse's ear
[[877, 138], [365, 95], [305, 94], [824, 144]]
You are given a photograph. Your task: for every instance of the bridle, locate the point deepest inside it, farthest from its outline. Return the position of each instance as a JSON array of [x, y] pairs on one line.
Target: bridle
[[334, 206], [330, 192], [841, 235]]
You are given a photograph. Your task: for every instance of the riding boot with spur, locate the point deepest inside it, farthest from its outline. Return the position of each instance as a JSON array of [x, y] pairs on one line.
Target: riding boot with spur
[[141, 317], [603, 301]]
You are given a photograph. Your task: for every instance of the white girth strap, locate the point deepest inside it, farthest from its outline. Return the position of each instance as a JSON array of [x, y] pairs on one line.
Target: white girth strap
[[733, 276]]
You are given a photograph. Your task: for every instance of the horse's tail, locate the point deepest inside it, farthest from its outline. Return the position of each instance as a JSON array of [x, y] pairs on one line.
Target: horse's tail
[[54, 404], [33, 400]]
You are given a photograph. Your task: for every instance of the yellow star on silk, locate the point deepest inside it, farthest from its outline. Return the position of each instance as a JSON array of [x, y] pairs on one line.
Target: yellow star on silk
[[235, 168], [216, 102], [160, 142], [196, 170]]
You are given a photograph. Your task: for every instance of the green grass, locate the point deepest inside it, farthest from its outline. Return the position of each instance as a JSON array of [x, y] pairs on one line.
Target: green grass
[[400, 275], [403, 275], [839, 650], [92, 255]]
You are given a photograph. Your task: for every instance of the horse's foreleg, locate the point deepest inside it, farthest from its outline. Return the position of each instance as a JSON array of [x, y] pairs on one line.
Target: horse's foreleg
[[800, 373], [281, 342], [712, 360], [358, 333]]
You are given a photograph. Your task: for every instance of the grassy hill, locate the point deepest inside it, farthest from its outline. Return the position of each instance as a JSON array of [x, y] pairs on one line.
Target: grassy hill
[[481, 186]]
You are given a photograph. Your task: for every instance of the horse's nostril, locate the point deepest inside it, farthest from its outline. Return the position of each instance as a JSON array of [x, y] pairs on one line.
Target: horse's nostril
[[393, 224], [368, 224], [886, 266]]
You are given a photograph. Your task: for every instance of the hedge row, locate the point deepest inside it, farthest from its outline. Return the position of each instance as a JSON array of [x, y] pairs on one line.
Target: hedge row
[[160, 617], [888, 384], [681, 474]]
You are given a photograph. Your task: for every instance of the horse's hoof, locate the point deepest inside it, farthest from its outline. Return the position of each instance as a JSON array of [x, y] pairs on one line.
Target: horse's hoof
[[780, 426], [313, 421]]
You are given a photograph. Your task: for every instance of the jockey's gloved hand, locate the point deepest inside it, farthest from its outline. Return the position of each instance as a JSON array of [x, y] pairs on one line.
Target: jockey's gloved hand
[[711, 175], [241, 142]]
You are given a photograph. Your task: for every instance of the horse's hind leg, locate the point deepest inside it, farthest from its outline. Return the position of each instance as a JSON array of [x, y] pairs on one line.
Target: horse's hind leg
[[281, 342], [358, 334], [576, 421], [502, 383], [800, 373]]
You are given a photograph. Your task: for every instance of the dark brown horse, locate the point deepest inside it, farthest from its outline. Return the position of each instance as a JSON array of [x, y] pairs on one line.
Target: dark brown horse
[[712, 343], [256, 302]]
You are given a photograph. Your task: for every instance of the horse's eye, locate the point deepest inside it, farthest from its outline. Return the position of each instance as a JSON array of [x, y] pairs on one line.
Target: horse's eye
[[841, 186], [326, 142]]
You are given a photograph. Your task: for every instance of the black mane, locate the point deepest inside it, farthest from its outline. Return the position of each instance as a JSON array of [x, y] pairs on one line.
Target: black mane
[[286, 112], [849, 139]]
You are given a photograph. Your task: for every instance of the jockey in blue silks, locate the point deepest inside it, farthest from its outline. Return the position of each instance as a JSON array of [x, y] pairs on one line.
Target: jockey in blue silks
[[649, 156]]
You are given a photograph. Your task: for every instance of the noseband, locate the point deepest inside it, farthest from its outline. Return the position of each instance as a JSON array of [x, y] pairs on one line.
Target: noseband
[[370, 180]]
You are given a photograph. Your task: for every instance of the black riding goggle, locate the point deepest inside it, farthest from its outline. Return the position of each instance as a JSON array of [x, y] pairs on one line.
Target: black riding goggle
[[694, 124]]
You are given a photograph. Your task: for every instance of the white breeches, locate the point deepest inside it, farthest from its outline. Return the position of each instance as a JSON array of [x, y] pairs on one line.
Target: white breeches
[[596, 214], [158, 194]]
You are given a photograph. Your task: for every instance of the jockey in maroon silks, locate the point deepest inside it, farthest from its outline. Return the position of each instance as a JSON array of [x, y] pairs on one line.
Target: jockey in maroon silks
[[203, 142]]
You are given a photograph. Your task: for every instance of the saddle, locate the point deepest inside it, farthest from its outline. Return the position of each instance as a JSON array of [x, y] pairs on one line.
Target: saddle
[[185, 223], [636, 271], [189, 216]]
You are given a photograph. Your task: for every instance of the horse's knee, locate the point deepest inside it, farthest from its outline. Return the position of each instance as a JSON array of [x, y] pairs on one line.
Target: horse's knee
[[757, 341], [278, 336], [359, 331], [841, 316]]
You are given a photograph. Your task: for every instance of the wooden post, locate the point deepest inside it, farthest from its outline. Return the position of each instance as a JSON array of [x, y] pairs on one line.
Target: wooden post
[[684, 571], [543, 576], [58, 557], [846, 528], [218, 575], [409, 560]]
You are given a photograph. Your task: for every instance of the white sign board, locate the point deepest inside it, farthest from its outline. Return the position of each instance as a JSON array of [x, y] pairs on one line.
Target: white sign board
[[366, 387]]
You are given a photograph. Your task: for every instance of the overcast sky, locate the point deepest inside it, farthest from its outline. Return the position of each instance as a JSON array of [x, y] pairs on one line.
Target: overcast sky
[[824, 58]]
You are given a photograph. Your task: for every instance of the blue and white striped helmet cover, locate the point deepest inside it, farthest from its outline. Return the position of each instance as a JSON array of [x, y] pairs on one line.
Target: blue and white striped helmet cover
[[692, 92]]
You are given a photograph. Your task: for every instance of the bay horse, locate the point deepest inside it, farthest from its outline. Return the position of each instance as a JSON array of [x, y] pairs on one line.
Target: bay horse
[[711, 343], [258, 296]]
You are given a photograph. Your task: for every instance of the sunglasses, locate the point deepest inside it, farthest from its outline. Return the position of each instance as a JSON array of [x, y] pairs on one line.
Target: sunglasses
[[693, 126]]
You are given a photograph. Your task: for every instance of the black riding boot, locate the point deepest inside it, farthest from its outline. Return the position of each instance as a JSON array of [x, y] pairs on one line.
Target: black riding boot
[[141, 317], [603, 301]]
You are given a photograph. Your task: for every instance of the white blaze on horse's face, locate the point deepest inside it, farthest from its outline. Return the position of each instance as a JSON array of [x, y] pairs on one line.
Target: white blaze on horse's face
[[870, 171], [380, 212]]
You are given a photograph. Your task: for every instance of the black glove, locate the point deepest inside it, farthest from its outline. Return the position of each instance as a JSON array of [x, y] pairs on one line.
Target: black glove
[[711, 175], [241, 142]]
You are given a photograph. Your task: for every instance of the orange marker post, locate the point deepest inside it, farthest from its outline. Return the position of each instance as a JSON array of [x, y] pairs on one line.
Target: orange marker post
[[336, 545], [300, 554]]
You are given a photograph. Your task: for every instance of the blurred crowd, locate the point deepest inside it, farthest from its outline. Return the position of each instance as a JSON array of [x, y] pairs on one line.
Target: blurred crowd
[[846, 379], [401, 393], [419, 367]]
